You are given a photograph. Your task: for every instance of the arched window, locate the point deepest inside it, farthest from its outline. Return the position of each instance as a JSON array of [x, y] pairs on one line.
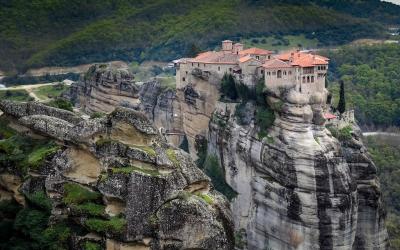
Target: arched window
[[308, 78], [183, 79], [284, 72], [279, 74], [312, 78], [304, 79], [219, 68]]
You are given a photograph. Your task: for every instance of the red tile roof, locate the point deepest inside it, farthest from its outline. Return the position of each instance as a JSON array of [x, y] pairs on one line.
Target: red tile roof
[[220, 57], [329, 116], [246, 58], [255, 51], [276, 63], [303, 59]]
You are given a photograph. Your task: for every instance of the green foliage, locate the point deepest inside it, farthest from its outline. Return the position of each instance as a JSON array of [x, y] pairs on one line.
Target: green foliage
[[372, 81], [113, 225], [61, 104], [51, 91], [207, 198], [342, 101], [228, 87], [172, 156], [5, 131], [37, 33], [343, 134], [76, 194], [201, 149], [386, 156], [147, 149], [89, 245], [240, 113], [213, 169], [90, 208], [265, 118], [15, 95], [24, 152], [40, 199], [97, 115]]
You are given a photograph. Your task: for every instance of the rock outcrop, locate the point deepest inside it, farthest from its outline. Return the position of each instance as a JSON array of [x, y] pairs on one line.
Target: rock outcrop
[[104, 87], [299, 187], [118, 180]]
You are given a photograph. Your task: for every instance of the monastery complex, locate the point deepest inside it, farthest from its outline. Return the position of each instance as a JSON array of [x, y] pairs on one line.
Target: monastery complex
[[303, 70]]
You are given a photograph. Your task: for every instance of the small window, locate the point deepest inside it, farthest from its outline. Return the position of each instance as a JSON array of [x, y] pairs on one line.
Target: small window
[[192, 64], [204, 65], [183, 79], [230, 69], [198, 64], [262, 71], [219, 68], [312, 78], [279, 74], [308, 79], [284, 72], [186, 72], [269, 57], [304, 79], [257, 57]]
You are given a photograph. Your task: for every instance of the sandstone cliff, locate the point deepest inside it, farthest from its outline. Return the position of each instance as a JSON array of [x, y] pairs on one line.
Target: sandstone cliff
[[299, 187], [115, 179]]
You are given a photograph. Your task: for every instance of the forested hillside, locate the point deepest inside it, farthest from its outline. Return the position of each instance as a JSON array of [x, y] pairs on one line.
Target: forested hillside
[[372, 82], [67, 32]]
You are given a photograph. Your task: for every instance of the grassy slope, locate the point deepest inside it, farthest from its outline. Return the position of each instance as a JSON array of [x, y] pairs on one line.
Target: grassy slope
[[61, 32]]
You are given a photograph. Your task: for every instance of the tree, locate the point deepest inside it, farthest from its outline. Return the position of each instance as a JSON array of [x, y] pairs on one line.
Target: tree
[[193, 50], [342, 101], [228, 87]]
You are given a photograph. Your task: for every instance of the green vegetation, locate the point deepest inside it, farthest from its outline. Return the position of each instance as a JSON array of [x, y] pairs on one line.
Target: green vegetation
[[40, 200], [343, 134], [167, 82], [147, 149], [207, 198], [5, 130], [90, 208], [61, 104], [265, 117], [172, 156], [228, 87], [342, 100], [113, 225], [97, 115], [61, 32], [27, 228], [15, 95], [213, 169], [25, 153], [131, 169], [386, 156], [279, 42], [51, 91], [372, 81], [76, 194], [89, 245]]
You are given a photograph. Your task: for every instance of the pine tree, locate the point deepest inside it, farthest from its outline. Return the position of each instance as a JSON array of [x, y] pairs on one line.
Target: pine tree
[[342, 101]]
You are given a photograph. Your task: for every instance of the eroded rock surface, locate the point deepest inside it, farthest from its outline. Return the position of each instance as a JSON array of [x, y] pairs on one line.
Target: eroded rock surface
[[147, 194], [299, 187]]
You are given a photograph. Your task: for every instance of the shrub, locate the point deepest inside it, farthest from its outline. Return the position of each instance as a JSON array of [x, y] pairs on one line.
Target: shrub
[[228, 87], [89, 245], [184, 144], [76, 194], [265, 118], [61, 104], [90, 209], [114, 224], [41, 200], [97, 115]]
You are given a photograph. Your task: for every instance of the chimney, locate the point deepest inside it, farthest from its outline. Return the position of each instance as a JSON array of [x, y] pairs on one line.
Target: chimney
[[227, 45]]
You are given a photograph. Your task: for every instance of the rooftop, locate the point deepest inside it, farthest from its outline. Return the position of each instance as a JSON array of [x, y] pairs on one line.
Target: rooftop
[[302, 59], [255, 51]]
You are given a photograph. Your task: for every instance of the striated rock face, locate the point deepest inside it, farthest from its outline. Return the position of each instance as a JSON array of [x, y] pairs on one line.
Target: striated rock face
[[103, 88], [150, 195], [299, 187]]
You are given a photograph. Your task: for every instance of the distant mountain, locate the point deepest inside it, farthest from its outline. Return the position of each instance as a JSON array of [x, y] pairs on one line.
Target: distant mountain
[[68, 32]]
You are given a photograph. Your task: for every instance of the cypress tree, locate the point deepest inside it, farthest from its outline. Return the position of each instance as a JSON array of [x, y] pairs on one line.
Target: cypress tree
[[342, 101]]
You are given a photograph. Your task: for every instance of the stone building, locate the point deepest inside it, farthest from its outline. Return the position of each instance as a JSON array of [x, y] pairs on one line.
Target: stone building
[[302, 70]]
